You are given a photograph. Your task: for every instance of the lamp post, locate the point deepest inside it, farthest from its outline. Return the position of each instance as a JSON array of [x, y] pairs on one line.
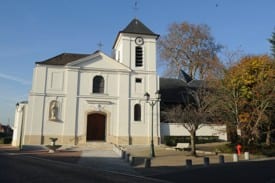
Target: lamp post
[[152, 103], [21, 125]]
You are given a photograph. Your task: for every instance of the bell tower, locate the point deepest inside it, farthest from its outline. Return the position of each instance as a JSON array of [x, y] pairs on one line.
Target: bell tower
[[135, 47]]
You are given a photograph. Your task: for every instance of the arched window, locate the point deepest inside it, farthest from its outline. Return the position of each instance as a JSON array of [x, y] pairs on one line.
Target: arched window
[[139, 56], [137, 112], [98, 84]]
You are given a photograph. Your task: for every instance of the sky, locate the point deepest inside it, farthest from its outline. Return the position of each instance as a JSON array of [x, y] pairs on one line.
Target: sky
[[35, 30]]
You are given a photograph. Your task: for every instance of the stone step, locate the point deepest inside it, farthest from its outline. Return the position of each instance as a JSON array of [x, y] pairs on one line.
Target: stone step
[[96, 146]]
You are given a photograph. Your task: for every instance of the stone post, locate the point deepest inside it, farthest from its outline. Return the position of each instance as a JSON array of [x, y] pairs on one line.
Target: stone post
[[123, 154], [127, 157], [206, 161], [221, 159], [188, 163], [132, 160], [147, 162], [246, 156], [235, 158]]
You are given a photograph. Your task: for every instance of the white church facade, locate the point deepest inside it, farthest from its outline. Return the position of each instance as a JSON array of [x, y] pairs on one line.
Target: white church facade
[[79, 98], [93, 97]]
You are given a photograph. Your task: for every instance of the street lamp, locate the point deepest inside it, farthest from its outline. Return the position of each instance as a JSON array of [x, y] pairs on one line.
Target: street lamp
[[152, 103], [22, 124]]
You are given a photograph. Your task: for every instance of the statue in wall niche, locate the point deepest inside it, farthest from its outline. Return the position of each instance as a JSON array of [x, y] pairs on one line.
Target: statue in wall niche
[[53, 110]]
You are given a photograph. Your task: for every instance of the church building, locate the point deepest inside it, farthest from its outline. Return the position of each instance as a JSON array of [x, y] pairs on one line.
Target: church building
[[79, 98]]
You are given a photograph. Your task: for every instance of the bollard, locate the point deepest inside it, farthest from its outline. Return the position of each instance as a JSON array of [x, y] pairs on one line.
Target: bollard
[[206, 161], [123, 154], [221, 159], [127, 157], [235, 158], [246, 156], [147, 162], [188, 163], [132, 160]]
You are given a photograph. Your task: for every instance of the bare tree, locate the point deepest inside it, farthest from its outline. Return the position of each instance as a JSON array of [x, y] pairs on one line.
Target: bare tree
[[190, 47], [197, 112]]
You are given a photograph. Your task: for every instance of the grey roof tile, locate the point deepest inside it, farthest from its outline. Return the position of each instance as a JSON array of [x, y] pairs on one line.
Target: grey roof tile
[[184, 76], [172, 90], [137, 27], [63, 59]]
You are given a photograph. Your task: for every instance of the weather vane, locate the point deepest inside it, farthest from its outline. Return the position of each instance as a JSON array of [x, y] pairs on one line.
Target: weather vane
[[135, 7]]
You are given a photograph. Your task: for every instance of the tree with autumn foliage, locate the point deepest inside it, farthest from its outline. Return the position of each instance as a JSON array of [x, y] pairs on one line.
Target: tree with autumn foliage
[[249, 95], [272, 42], [191, 48]]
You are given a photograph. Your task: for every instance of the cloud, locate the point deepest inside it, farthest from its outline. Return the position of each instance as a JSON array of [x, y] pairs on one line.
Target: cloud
[[16, 79]]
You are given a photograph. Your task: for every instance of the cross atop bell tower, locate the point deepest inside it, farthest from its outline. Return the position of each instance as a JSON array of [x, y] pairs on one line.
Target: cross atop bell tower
[[135, 8]]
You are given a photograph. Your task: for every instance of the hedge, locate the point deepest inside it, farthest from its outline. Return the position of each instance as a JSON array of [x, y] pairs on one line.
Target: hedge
[[173, 140]]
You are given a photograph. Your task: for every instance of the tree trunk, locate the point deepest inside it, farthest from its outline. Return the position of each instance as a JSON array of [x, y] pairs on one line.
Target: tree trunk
[[232, 133], [193, 143], [268, 136]]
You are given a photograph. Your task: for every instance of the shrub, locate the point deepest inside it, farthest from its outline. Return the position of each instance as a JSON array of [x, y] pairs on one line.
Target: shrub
[[5, 140], [207, 139], [227, 148], [170, 141], [173, 140], [2, 134], [260, 149]]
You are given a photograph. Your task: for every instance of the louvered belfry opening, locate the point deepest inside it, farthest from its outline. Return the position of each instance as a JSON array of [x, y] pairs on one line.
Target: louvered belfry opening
[[139, 56]]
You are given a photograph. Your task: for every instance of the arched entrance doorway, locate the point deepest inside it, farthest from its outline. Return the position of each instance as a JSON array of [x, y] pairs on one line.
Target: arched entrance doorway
[[96, 127]]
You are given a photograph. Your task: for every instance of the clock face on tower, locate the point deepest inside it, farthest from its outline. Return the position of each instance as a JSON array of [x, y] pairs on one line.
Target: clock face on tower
[[139, 41]]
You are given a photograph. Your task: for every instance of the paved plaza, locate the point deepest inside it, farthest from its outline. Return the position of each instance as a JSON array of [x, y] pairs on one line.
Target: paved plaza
[[102, 156]]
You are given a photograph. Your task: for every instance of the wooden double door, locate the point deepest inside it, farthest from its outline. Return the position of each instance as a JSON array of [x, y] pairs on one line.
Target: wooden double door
[[96, 127]]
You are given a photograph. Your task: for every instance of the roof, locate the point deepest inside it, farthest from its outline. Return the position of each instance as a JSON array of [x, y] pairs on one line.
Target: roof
[[63, 59], [177, 91], [172, 90], [137, 27], [197, 84], [190, 82], [184, 76], [167, 83]]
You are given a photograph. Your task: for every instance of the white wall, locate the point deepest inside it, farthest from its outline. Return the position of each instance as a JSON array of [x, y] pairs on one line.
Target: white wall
[[172, 129]]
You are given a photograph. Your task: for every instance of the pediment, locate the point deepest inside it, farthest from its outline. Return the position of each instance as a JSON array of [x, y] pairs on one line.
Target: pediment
[[99, 61]]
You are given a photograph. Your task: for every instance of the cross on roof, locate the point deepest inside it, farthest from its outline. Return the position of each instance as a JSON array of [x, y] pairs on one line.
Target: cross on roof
[[135, 8], [100, 45]]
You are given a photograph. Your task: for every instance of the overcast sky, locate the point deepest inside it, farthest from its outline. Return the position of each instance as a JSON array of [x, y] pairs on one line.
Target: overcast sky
[[35, 30]]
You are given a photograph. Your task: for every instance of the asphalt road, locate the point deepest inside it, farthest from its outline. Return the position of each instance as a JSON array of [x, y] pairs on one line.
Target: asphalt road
[[15, 168], [241, 172]]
